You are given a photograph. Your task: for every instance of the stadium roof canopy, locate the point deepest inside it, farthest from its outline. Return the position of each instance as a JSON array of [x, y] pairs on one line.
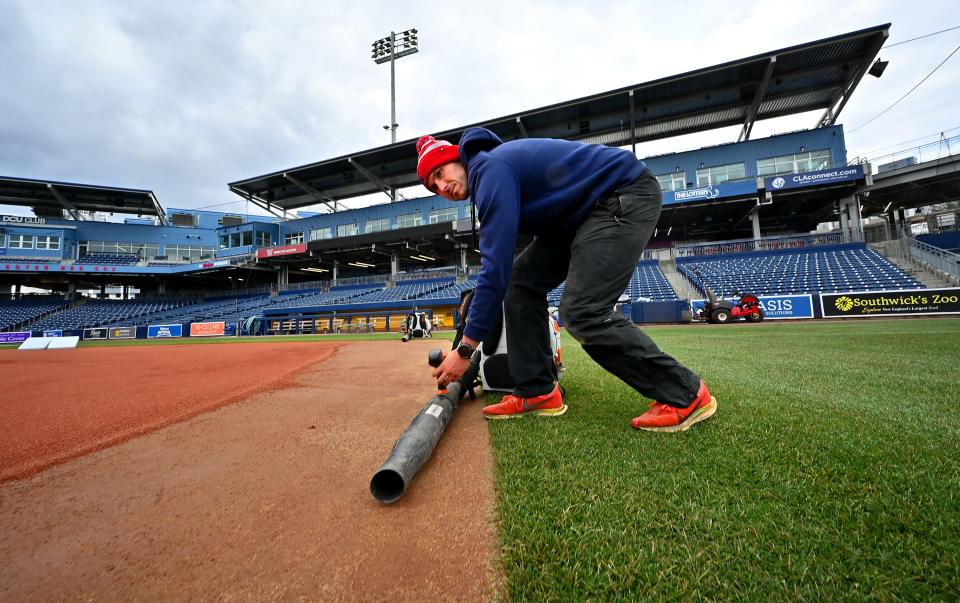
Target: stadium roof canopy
[[51, 199], [819, 75]]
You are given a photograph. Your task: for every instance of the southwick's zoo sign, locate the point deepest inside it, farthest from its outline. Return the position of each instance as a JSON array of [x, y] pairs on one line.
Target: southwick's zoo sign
[[891, 303]]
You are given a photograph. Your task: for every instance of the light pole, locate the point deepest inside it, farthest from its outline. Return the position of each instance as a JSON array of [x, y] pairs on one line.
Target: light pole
[[391, 48]]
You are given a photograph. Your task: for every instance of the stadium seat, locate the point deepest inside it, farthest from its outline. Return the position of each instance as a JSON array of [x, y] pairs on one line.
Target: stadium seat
[[851, 267]]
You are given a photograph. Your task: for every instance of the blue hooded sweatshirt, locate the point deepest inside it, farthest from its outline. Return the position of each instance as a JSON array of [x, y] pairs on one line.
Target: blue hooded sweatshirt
[[538, 186]]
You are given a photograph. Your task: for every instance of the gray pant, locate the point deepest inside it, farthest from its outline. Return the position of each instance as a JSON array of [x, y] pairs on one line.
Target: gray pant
[[597, 264]]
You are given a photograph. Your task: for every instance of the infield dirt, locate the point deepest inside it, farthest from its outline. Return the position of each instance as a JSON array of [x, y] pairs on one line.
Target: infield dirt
[[266, 497]]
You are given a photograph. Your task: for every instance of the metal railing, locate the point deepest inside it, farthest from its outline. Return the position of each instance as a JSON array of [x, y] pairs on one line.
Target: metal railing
[[945, 147], [228, 292], [764, 244], [361, 280], [446, 272], [305, 285], [938, 260]]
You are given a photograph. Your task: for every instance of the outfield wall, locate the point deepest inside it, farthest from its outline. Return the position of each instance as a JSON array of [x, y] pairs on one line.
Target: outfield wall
[[388, 317]]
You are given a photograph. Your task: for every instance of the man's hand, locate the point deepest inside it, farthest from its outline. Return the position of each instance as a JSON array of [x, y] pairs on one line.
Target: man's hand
[[453, 366], [451, 369]]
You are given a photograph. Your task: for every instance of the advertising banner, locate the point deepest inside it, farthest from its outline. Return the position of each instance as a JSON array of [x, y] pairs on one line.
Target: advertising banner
[[14, 337], [775, 307], [829, 176], [912, 302], [53, 333], [158, 331], [271, 252], [778, 307], [707, 193], [123, 332], [95, 333], [231, 329], [207, 329]]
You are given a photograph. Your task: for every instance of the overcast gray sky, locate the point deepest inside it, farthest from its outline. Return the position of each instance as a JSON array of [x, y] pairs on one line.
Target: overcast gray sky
[[183, 97]]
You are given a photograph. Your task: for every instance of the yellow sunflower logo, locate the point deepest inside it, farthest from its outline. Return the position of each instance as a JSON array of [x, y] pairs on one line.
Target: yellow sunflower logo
[[844, 303]]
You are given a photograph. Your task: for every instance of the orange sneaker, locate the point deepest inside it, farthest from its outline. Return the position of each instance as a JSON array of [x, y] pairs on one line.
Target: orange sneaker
[[663, 417], [547, 405]]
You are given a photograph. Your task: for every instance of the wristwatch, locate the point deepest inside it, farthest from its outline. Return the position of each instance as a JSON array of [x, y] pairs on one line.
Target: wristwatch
[[465, 350]]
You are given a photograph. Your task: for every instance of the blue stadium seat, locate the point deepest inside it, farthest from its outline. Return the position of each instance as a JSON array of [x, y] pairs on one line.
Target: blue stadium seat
[[16, 313], [647, 283], [851, 267]]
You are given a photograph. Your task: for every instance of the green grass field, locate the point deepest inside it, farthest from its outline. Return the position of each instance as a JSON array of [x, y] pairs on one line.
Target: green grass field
[[831, 471]]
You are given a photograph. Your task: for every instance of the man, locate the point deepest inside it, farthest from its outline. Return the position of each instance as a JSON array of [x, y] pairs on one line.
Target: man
[[591, 209]]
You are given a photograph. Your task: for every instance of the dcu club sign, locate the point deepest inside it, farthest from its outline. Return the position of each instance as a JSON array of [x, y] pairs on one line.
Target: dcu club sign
[[891, 303]]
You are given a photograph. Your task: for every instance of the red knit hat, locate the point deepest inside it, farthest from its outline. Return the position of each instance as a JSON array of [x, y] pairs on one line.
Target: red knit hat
[[433, 153]]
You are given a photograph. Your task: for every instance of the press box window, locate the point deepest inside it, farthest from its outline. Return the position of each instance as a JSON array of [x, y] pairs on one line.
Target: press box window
[[263, 239], [184, 220], [409, 220], [674, 181], [48, 242], [3, 240], [810, 161], [720, 173], [377, 225], [448, 214], [317, 234], [21, 241], [347, 230], [293, 238]]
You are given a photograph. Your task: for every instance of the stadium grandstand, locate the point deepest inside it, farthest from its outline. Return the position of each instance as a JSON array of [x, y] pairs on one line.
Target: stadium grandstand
[[790, 214]]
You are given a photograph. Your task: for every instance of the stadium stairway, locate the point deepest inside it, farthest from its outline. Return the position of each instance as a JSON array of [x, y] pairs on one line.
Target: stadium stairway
[[920, 271], [679, 282]]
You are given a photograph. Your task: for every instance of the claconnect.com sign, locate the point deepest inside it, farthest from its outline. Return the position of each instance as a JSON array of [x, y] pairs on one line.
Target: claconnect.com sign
[[830, 176], [891, 303]]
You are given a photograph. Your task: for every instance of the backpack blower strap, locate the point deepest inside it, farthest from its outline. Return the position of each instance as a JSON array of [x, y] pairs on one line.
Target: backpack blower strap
[[466, 297]]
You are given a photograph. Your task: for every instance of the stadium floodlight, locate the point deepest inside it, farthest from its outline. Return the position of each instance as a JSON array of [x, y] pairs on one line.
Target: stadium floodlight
[[391, 48]]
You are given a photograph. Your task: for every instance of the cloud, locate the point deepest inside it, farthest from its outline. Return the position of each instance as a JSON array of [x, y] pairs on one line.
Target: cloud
[[183, 97]]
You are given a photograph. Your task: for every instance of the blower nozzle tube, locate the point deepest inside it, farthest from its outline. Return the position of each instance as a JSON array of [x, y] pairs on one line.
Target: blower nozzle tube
[[416, 444]]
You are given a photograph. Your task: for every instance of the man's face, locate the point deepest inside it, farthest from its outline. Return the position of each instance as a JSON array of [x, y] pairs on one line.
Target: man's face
[[449, 181]]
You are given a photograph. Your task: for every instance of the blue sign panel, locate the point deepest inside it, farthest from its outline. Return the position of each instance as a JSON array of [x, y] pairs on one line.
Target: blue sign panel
[[714, 191], [830, 176], [775, 307], [53, 333], [230, 329], [786, 306], [14, 337], [155, 331]]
